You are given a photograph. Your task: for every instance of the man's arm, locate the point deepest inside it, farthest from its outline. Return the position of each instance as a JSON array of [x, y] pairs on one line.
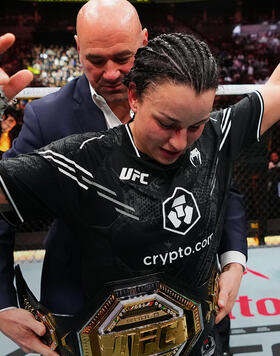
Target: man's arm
[[233, 252], [234, 238]]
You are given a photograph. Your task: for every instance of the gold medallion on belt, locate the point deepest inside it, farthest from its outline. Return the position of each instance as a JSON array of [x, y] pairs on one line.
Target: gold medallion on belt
[[131, 323]]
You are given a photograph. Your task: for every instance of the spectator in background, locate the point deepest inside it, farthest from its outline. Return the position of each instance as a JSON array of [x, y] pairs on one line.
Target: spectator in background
[[10, 127], [274, 160], [273, 185]]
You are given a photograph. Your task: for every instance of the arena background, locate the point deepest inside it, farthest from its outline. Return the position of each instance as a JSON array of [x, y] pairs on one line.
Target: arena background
[[245, 37]]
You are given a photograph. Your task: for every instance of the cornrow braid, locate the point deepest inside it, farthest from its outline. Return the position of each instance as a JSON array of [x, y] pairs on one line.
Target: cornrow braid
[[176, 57]]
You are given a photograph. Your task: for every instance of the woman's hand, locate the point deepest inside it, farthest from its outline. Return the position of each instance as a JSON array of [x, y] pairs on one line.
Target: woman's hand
[[21, 326], [14, 84]]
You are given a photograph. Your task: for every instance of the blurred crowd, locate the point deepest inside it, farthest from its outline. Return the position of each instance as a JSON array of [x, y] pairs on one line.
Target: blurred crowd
[[248, 59], [243, 58], [54, 65]]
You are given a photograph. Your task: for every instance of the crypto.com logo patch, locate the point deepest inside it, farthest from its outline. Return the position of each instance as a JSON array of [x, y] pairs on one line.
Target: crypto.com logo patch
[[180, 211]]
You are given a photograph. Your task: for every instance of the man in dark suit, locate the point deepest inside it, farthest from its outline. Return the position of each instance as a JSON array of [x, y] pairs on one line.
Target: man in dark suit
[[108, 35]]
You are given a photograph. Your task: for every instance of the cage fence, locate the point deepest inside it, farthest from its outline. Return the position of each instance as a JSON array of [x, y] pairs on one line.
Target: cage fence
[[259, 183]]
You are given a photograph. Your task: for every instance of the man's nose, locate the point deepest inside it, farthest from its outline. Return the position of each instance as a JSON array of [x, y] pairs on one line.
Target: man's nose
[[179, 139], [111, 71]]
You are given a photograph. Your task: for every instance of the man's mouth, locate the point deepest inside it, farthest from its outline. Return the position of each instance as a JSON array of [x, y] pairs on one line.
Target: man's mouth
[[114, 86]]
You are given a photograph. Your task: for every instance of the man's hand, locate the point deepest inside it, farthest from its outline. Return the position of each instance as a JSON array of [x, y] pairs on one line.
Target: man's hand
[[229, 284], [21, 326], [14, 84]]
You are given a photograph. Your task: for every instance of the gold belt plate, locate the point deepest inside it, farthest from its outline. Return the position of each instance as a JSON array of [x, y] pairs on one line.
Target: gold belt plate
[[159, 323]]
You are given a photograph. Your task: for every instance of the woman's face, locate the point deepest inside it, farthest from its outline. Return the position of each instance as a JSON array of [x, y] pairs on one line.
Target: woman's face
[[8, 123], [169, 119]]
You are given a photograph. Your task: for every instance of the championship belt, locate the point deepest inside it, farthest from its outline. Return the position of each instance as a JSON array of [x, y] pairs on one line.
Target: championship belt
[[139, 317]]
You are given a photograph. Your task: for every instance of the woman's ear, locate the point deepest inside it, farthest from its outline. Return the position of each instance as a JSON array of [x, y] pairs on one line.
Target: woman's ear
[[132, 97]]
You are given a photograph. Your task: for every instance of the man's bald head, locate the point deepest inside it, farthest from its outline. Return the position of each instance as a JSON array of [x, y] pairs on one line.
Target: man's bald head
[[109, 33], [106, 15]]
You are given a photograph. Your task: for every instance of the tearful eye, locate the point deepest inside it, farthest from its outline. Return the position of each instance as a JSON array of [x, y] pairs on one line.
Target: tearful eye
[[193, 128], [197, 126], [166, 126]]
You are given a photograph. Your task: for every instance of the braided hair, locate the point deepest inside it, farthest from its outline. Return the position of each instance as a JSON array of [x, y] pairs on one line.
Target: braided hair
[[175, 57]]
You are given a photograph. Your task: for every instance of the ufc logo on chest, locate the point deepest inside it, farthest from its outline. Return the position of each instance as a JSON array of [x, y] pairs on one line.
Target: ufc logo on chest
[[133, 175]]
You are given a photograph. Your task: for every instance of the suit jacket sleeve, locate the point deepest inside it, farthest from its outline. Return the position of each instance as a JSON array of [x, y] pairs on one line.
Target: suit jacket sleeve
[[234, 229]]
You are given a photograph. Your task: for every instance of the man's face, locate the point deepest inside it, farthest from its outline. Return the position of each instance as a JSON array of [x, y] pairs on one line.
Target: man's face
[[106, 59]]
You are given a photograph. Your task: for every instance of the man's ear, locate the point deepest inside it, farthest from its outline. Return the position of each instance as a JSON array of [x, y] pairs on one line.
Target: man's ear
[[145, 37], [77, 43], [132, 97], [78, 48]]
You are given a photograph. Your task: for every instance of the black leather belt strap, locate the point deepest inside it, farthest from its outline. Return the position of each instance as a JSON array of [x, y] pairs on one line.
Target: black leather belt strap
[[58, 328]]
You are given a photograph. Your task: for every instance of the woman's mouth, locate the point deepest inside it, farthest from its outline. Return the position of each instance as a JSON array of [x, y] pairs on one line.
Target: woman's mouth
[[171, 154]]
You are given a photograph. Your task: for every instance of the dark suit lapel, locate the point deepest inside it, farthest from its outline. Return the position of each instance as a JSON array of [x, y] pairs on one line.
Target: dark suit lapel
[[88, 115]]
